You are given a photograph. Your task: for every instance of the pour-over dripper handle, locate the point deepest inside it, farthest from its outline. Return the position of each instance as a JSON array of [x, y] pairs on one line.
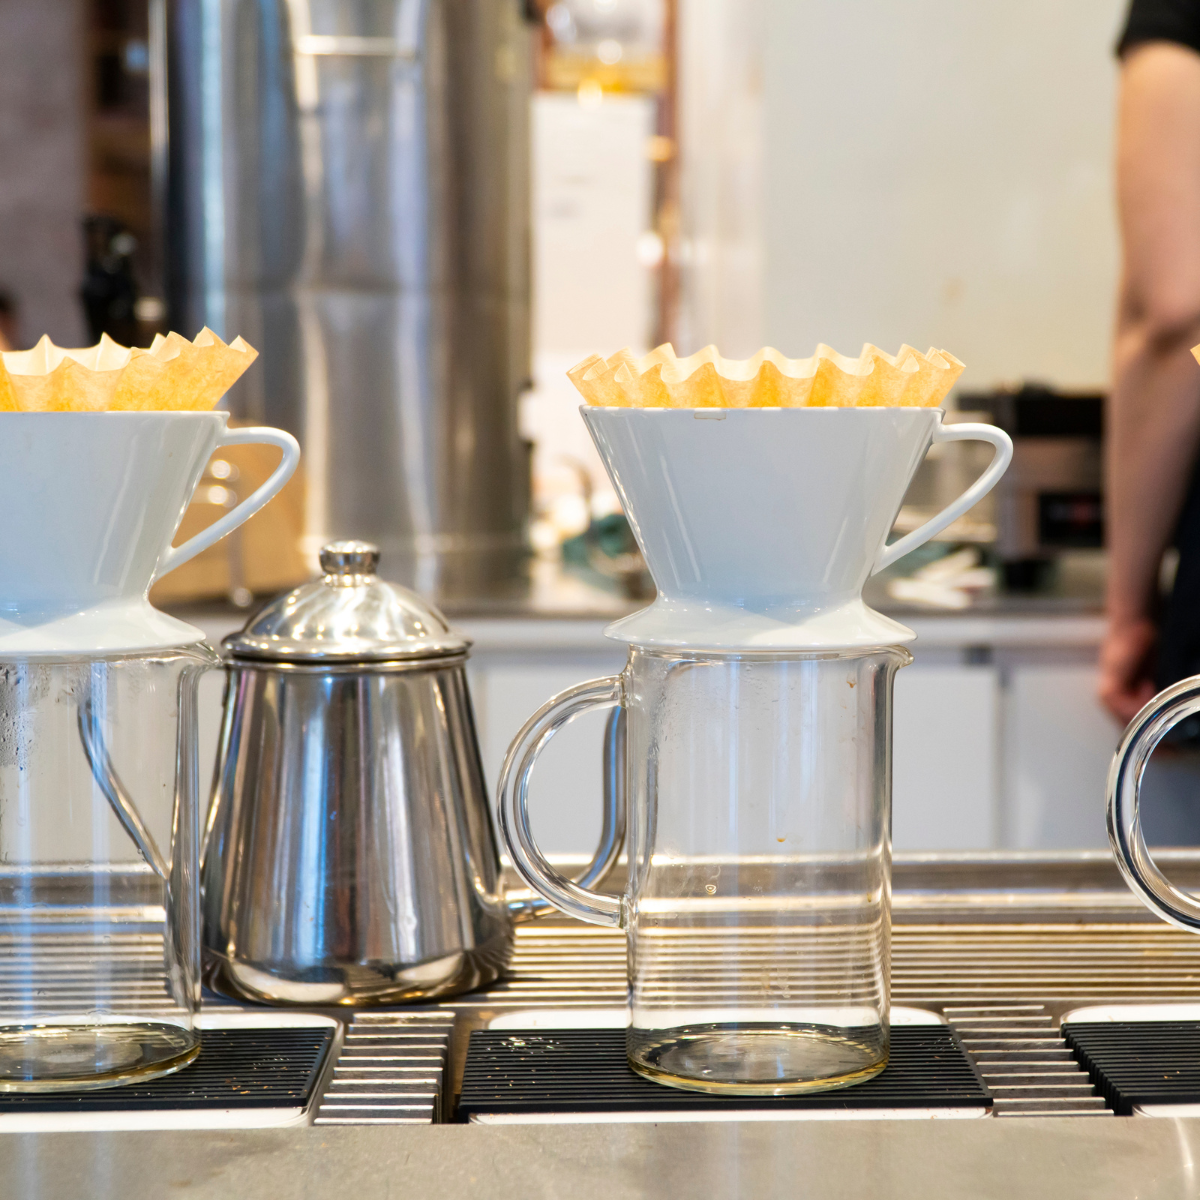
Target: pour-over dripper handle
[[1147, 729], [515, 830], [966, 432], [176, 556]]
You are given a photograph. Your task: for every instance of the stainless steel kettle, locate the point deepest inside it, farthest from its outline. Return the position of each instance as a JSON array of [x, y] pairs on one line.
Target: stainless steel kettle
[[350, 856]]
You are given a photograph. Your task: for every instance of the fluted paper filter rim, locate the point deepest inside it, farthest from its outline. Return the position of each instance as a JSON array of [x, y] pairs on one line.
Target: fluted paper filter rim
[[661, 379], [173, 374]]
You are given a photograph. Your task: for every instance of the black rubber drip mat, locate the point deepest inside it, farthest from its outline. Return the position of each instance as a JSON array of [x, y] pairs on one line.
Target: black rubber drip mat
[[236, 1068], [585, 1071], [1139, 1062]]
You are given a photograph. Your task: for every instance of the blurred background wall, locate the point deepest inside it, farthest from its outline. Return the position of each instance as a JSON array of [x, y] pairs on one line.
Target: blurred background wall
[[928, 171], [43, 164], [940, 172]]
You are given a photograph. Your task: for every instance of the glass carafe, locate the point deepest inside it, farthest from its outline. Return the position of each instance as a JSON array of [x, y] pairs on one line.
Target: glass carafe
[[99, 789], [757, 907]]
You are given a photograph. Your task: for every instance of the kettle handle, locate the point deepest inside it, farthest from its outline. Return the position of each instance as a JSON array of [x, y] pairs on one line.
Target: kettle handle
[[573, 897], [1147, 729], [965, 432]]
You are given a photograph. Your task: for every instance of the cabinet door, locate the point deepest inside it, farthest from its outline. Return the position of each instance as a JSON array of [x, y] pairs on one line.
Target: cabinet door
[[1058, 745], [566, 789], [944, 786], [944, 754]]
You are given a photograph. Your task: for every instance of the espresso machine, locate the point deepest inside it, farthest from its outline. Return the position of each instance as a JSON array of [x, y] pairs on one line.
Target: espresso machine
[[1051, 498]]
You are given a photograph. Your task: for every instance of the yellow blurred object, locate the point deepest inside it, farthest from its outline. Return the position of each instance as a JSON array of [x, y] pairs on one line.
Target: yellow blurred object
[[174, 374], [568, 72], [660, 379], [260, 557]]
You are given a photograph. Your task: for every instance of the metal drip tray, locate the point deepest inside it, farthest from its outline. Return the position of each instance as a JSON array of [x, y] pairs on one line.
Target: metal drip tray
[[1002, 951], [382, 1067], [1000, 947]]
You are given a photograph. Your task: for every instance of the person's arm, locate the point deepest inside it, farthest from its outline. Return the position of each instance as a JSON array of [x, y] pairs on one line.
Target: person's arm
[[1153, 426]]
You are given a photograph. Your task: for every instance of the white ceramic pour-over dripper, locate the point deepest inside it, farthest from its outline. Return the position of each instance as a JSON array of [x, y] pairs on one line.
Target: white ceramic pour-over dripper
[[89, 503], [761, 526]]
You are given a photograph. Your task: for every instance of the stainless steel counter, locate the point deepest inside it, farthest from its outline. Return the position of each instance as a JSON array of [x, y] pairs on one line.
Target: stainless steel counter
[[834, 1160]]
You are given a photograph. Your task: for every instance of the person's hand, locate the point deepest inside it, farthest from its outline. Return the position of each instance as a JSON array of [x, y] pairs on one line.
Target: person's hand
[[1126, 663]]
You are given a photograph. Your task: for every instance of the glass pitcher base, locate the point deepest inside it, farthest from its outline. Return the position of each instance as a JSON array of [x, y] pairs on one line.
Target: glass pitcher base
[[757, 1060], [60, 1057]]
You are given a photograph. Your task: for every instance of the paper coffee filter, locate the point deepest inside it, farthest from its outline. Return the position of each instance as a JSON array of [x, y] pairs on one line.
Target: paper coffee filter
[[661, 379], [173, 374]]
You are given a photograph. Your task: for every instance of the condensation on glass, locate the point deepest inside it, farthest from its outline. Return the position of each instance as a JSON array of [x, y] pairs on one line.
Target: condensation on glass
[[757, 909], [98, 868]]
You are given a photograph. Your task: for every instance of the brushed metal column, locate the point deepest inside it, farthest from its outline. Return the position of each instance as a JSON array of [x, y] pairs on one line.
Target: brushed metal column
[[348, 190]]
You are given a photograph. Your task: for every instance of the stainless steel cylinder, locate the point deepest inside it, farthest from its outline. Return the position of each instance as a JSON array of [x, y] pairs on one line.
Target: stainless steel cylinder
[[346, 185], [350, 857]]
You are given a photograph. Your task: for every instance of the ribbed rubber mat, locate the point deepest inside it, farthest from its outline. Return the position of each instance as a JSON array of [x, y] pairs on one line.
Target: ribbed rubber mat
[[584, 1070], [236, 1068], [1139, 1062]]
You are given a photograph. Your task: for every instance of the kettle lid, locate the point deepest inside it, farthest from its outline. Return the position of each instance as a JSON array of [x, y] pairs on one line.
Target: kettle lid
[[350, 614]]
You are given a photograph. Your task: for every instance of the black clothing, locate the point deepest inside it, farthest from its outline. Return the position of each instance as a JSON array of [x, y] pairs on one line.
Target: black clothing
[[1162, 21]]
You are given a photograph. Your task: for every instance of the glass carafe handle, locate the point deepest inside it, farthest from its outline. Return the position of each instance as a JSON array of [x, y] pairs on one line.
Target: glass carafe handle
[[530, 863], [91, 735], [1148, 728]]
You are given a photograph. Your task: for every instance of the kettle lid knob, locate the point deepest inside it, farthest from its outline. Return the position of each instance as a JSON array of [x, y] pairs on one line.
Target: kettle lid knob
[[349, 615], [349, 558]]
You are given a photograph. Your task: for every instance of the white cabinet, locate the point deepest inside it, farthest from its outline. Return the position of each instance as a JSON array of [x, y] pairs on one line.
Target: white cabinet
[[944, 750], [944, 790], [566, 789], [1058, 743], [1008, 753], [998, 741]]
